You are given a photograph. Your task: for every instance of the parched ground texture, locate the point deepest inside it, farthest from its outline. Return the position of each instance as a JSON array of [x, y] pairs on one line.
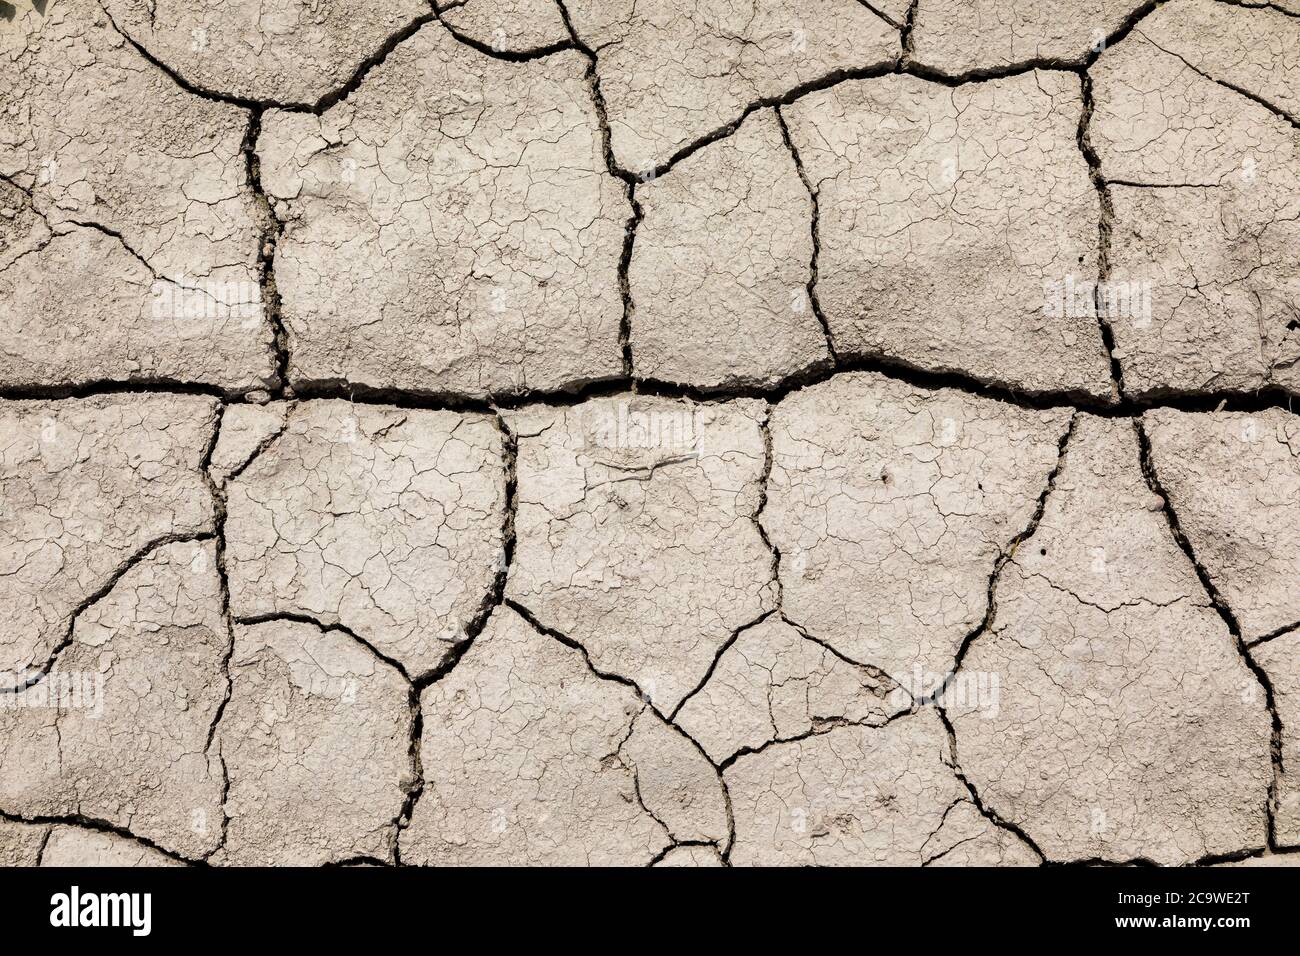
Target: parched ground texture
[[673, 432]]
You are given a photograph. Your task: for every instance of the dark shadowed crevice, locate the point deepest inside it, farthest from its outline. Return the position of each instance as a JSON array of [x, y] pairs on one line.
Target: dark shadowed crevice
[[906, 30], [678, 844], [1117, 35], [1105, 226], [1277, 632], [99, 826], [1232, 400], [271, 231], [134, 385], [764, 479], [355, 861], [189, 86], [414, 785], [625, 283]]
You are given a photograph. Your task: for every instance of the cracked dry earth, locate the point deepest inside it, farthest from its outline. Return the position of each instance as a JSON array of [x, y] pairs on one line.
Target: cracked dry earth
[[683, 432]]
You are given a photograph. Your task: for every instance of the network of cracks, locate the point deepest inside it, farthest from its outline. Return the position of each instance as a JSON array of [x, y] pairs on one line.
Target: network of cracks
[[548, 432]]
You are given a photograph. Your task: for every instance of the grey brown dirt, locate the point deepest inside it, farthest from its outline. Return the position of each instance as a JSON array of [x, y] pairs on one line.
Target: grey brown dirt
[[672, 432]]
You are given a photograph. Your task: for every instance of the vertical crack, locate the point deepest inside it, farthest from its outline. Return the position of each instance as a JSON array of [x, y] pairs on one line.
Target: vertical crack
[[905, 35], [1105, 225], [495, 599], [45, 841], [218, 494], [496, 595], [272, 229], [988, 813], [1225, 612], [624, 284], [813, 195], [764, 479], [415, 784], [990, 612], [1009, 552], [629, 184]]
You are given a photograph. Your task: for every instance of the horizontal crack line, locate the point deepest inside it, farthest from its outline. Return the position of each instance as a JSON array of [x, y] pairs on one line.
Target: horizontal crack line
[[1241, 400]]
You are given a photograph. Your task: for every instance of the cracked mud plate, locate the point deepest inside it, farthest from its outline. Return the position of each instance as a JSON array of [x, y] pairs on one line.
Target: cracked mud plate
[[682, 433]]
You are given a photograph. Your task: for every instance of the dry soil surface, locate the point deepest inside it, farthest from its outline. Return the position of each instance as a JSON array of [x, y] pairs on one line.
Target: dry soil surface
[[671, 432]]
